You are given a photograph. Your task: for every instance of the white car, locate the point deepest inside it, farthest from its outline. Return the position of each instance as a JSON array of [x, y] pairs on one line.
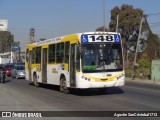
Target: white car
[[18, 71]]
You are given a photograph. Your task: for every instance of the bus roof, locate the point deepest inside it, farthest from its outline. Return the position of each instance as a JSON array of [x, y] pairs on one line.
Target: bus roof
[[75, 36]]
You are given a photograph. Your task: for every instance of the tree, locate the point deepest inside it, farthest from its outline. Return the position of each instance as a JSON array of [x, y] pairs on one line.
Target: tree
[[16, 43], [153, 46], [143, 61], [6, 41], [129, 19], [129, 25], [103, 28], [129, 22]]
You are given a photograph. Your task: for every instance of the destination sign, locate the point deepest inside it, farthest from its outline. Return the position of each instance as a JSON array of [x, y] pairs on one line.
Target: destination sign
[[100, 38]]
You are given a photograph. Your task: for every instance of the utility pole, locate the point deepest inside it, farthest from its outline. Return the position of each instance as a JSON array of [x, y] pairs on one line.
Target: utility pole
[[117, 23], [32, 32], [104, 16], [137, 47], [19, 52], [139, 34]]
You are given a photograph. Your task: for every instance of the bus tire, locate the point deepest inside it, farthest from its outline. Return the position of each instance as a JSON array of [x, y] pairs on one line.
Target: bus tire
[[63, 86], [35, 80]]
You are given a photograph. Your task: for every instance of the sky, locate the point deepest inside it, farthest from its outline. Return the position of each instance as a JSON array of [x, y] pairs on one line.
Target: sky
[[55, 18]]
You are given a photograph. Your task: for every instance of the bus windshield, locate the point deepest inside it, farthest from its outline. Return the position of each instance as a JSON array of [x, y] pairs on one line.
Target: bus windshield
[[98, 57]]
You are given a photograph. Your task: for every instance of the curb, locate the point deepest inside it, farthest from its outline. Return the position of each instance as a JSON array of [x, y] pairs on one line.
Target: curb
[[152, 82]]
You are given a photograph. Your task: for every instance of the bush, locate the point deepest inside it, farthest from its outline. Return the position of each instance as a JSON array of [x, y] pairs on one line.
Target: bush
[[128, 72], [143, 61], [141, 73]]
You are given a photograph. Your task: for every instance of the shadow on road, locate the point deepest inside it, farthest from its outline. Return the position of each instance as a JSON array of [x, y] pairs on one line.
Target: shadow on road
[[93, 92], [47, 86], [85, 92], [6, 81]]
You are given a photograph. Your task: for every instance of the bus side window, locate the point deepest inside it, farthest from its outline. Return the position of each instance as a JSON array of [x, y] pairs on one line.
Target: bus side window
[[51, 53], [67, 46], [33, 55], [38, 55], [60, 53]]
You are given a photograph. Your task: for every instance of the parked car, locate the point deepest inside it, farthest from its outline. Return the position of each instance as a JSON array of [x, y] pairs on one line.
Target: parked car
[[7, 68], [18, 71], [2, 75], [1, 65]]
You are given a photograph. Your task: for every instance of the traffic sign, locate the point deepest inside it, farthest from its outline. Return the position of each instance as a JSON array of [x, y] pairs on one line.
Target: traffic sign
[[14, 47]]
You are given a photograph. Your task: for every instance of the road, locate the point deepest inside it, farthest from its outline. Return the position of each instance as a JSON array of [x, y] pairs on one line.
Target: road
[[18, 95]]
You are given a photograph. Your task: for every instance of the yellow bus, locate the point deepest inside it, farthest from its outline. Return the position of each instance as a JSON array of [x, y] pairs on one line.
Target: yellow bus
[[81, 60]]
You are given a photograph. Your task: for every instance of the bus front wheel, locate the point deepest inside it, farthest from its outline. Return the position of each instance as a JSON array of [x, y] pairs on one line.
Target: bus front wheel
[[63, 86]]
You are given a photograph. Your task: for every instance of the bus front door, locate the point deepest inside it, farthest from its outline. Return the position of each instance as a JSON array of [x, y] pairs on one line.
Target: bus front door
[[73, 65], [44, 65]]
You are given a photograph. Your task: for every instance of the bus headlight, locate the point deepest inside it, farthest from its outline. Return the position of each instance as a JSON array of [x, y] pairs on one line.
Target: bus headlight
[[83, 77], [86, 78]]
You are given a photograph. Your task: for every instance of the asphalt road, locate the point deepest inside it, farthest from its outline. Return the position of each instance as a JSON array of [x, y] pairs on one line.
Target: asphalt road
[[18, 95]]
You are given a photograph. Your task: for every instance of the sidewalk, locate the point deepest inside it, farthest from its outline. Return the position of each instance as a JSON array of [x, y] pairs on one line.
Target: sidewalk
[[144, 81]]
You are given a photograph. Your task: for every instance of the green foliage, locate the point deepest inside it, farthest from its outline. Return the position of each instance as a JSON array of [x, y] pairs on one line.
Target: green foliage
[[143, 61], [138, 73], [103, 28], [129, 19], [6, 41], [129, 23], [153, 44], [128, 72], [16, 43]]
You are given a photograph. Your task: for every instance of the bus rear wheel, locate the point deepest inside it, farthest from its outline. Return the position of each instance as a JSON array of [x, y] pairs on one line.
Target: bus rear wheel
[[63, 86]]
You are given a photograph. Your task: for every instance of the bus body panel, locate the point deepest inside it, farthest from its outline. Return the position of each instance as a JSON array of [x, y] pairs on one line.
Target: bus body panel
[[54, 73], [56, 70]]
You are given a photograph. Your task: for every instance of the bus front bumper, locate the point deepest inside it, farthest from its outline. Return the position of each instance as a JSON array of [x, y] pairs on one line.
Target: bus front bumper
[[88, 84]]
